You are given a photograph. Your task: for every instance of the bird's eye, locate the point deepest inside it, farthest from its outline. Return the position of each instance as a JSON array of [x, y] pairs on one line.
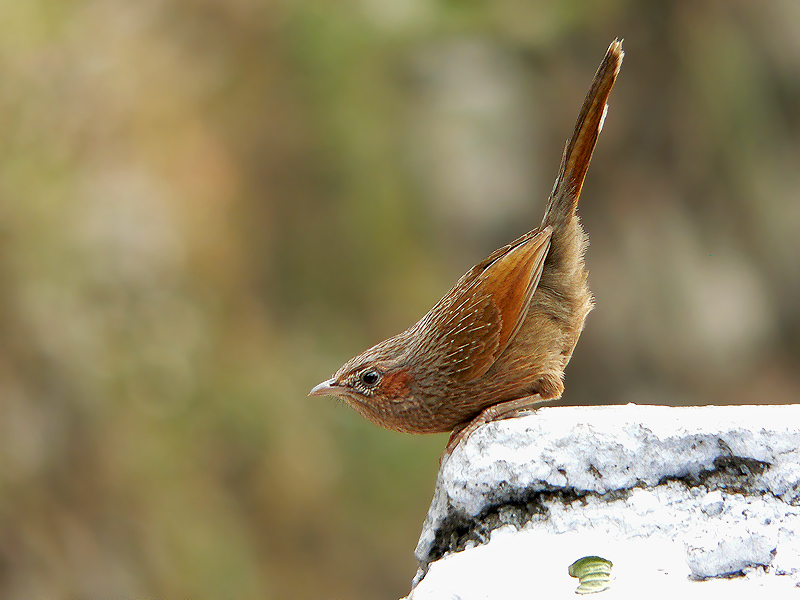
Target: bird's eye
[[370, 378]]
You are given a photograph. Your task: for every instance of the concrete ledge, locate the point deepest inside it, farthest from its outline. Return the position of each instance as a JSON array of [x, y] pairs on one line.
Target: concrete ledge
[[693, 500]]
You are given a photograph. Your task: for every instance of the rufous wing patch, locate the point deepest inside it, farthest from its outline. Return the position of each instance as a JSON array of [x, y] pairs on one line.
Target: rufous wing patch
[[494, 308]]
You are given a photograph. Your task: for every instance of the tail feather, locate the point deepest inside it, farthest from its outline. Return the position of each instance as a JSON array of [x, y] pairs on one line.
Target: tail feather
[[578, 151]]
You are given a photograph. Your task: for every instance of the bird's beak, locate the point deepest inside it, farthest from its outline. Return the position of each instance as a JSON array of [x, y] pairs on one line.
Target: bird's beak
[[325, 388]]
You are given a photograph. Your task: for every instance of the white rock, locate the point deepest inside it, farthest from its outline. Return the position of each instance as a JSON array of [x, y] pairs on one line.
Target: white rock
[[676, 498]]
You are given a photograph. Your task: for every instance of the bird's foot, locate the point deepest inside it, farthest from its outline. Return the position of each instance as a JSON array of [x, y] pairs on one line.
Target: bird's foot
[[495, 412]]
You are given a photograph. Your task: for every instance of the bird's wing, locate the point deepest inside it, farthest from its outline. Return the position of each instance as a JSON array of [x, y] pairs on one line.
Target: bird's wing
[[475, 322]]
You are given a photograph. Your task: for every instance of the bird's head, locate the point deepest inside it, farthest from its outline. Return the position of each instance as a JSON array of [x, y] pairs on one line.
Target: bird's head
[[378, 383]]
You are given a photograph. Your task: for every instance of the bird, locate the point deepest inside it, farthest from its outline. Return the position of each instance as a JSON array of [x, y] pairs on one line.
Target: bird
[[497, 343]]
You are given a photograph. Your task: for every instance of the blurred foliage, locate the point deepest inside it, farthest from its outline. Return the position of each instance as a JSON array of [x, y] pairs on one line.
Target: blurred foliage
[[206, 207]]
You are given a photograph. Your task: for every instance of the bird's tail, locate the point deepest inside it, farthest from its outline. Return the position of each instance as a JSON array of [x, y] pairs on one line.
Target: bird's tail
[[578, 151]]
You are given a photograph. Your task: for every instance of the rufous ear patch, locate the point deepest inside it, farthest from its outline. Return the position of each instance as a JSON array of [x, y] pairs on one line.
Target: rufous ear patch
[[395, 384]]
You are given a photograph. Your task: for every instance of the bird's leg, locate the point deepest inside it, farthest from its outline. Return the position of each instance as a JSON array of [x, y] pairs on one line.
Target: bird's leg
[[495, 412]]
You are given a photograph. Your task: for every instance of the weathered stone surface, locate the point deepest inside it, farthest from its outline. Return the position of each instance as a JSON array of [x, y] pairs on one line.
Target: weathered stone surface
[[672, 496]]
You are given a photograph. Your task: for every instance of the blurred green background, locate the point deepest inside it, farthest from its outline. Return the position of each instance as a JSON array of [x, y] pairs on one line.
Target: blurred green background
[[206, 207]]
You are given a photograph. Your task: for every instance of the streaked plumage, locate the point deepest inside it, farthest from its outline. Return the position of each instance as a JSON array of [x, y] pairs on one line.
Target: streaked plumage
[[508, 327]]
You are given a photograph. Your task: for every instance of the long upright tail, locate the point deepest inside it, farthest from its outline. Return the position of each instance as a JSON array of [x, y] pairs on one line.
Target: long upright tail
[[578, 151]]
